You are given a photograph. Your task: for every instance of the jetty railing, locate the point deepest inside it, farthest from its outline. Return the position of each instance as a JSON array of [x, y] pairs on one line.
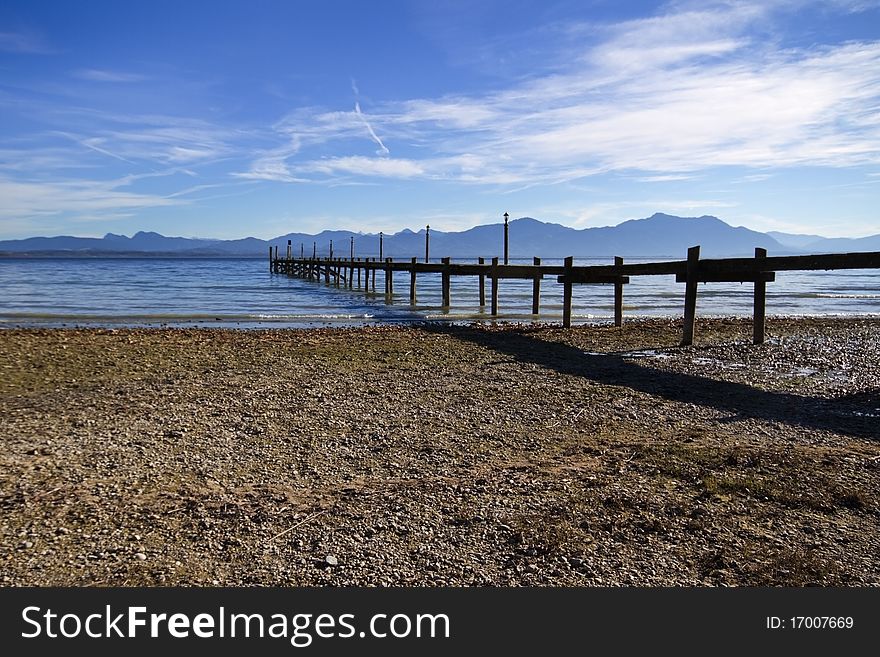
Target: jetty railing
[[759, 270]]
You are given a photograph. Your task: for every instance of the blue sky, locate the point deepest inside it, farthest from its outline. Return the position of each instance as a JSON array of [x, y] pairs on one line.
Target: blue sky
[[229, 119]]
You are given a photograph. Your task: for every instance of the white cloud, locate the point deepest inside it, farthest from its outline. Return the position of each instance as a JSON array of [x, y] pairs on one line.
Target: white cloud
[[666, 96], [22, 200], [366, 166]]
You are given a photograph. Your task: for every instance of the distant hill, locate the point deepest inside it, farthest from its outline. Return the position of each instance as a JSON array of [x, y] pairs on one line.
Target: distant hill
[[660, 235], [819, 244]]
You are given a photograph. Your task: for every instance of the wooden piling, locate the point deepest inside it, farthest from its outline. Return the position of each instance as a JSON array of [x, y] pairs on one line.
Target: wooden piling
[[389, 277], [270, 259], [536, 287], [445, 277], [482, 261], [618, 295], [690, 296], [412, 282], [759, 314], [494, 275], [374, 275], [566, 293]]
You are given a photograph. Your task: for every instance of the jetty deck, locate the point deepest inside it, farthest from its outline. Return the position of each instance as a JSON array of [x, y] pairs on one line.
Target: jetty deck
[[360, 273]]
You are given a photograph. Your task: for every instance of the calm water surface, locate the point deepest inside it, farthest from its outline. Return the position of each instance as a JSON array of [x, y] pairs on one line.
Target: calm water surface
[[243, 293]]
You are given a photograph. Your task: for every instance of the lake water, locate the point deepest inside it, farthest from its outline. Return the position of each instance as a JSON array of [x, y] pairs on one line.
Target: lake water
[[243, 293]]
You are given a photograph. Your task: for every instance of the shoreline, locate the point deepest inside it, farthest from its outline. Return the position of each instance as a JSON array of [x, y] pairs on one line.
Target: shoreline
[[439, 454], [328, 321]]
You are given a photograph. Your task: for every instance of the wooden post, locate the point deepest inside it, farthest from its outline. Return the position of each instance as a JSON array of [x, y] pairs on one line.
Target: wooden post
[[337, 273], [618, 295], [389, 277], [760, 309], [506, 234], [427, 241], [494, 276], [327, 273], [270, 259], [314, 250], [359, 273], [380, 246], [482, 261], [374, 275], [566, 293], [536, 287], [302, 251], [288, 249], [412, 282], [690, 296], [445, 281], [276, 252]]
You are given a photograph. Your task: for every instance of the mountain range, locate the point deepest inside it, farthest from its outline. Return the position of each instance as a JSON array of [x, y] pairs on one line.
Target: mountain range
[[660, 235]]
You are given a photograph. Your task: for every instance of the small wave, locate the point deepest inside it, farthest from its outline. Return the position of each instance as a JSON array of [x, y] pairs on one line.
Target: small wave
[[830, 295], [325, 316]]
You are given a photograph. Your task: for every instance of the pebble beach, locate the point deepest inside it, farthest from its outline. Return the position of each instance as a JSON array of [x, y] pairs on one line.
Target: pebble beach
[[442, 455]]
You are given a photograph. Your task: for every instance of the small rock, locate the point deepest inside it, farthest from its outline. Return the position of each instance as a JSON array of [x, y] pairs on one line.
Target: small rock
[[140, 556], [28, 545], [330, 560]]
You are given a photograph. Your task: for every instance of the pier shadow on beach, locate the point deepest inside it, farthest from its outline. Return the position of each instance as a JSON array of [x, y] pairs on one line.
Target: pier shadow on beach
[[852, 415]]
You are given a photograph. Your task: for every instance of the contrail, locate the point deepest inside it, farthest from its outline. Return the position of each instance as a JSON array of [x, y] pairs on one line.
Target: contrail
[[85, 143], [383, 149]]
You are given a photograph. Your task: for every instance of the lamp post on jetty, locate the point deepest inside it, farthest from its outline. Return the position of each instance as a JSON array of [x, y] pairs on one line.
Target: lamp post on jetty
[[351, 257], [314, 250], [331, 249], [427, 241], [380, 246], [506, 235]]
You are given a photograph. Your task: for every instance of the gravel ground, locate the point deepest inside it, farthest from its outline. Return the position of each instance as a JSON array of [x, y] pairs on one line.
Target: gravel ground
[[442, 456]]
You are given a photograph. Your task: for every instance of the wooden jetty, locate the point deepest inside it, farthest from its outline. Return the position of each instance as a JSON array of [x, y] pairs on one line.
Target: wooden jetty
[[759, 270]]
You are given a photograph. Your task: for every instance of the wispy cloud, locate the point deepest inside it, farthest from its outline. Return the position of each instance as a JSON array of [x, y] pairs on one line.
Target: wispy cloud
[[665, 97], [367, 166], [27, 199], [24, 43], [103, 75]]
